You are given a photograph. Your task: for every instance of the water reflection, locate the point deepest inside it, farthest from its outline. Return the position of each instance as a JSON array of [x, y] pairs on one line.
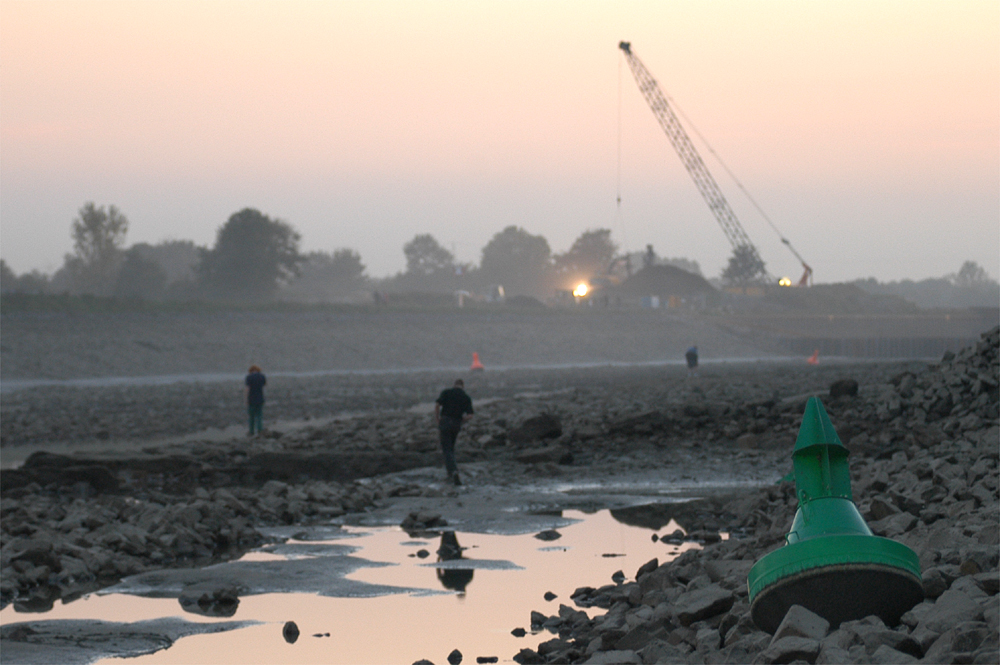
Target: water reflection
[[455, 579]]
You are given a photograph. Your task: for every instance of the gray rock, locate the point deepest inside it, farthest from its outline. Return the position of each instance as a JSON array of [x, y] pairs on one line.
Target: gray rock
[[832, 655], [964, 637], [613, 658], [637, 638], [800, 622], [933, 582], [703, 603], [790, 649], [720, 569], [952, 608], [886, 655], [659, 651], [894, 525]]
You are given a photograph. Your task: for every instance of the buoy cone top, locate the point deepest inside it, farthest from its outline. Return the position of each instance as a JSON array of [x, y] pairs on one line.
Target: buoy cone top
[[816, 428], [476, 365], [814, 358]]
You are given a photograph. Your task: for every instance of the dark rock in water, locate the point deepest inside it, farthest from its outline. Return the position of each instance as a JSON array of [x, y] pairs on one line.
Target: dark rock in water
[[487, 659], [549, 534], [290, 632], [550, 596], [544, 426], [423, 554], [455, 657], [519, 632], [537, 618], [210, 600], [618, 577], [844, 388], [423, 661]]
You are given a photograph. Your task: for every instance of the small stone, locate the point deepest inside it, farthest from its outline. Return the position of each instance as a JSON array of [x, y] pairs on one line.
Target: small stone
[[423, 554], [487, 659], [550, 596], [519, 632], [290, 632], [618, 577], [548, 534], [455, 657]]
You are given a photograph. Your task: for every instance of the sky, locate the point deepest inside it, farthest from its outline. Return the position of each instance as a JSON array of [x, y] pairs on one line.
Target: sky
[[869, 132]]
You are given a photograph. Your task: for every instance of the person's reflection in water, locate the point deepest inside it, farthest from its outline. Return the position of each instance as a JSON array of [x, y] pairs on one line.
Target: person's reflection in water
[[455, 579]]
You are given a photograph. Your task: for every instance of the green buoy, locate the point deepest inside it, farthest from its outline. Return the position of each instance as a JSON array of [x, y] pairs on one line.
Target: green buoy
[[831, 563]]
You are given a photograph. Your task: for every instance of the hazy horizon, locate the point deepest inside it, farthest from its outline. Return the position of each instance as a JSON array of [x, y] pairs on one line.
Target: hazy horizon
[[869, 132]]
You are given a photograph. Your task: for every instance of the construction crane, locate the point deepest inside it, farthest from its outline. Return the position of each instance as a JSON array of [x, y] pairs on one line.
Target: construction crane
[[692, 161]]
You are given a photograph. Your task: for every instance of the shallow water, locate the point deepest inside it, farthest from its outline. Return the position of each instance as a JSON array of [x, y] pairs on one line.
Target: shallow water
[[470, 604]]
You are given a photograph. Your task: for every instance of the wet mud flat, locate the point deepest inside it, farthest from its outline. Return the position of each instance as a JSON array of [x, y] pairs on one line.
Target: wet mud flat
[[923, 441]]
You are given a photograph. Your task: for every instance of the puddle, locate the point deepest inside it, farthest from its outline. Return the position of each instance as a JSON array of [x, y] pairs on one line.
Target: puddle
[[387, 596]]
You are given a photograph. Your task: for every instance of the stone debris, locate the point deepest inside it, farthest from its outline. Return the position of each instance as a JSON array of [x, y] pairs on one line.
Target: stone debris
[[927, 472], [924, 464]]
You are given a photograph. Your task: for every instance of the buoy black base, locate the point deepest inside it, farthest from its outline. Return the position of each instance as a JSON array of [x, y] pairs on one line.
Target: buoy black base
[[838, 593]]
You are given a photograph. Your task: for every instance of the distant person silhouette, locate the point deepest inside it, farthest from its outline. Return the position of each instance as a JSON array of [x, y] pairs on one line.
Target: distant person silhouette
[[452, 408], [254, 391], [691, 355], [455, 579]]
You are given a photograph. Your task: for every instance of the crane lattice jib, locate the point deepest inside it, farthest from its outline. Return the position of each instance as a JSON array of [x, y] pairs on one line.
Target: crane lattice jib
[[706, 184]]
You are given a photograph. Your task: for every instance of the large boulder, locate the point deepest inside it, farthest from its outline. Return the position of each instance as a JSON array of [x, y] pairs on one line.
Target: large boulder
[[536, 428]]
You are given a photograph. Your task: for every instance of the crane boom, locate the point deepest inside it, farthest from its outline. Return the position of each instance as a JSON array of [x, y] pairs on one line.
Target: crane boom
[[706, 184]]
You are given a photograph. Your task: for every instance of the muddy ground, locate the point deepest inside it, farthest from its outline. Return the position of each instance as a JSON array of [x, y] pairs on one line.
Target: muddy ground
[[137, 484]]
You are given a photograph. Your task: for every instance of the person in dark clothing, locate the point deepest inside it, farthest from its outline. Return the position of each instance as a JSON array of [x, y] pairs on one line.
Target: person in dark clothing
[[255, 382], [452, 408], [692, 360]]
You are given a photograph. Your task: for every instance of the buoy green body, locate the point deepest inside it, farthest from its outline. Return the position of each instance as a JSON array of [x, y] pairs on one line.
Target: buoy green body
[[831, 563]]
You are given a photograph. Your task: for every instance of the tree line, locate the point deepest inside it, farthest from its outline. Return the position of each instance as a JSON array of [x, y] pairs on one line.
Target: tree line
[[256, 257]]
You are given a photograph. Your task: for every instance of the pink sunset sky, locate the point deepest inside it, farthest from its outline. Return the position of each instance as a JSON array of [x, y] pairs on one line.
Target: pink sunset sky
[[868, 131]]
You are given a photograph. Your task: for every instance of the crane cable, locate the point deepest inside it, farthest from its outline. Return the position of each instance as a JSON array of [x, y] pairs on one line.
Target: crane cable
[[618, 190], [732, 175]]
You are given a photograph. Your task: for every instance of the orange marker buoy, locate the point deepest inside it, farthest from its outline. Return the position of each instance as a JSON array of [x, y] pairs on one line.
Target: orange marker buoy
[[476, 365], [814, 358]]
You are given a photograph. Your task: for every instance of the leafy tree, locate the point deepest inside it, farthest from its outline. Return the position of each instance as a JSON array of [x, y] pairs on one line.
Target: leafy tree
[[98, 235], [424, 256], [971, 274], [253, 255], [518, 261], [140, 277], [8, 278], [590, 254], [325, 277], [745, 265]]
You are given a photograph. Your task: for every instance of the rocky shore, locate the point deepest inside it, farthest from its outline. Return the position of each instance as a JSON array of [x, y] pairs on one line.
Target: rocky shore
[[924, 445], [924, 472]]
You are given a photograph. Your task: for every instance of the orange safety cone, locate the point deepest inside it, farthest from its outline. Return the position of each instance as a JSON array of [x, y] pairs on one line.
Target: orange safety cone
[[476, 365], [814, 358]]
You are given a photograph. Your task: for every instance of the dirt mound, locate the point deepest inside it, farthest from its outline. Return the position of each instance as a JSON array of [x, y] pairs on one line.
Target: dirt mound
[[837, 299], [665, 281]]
